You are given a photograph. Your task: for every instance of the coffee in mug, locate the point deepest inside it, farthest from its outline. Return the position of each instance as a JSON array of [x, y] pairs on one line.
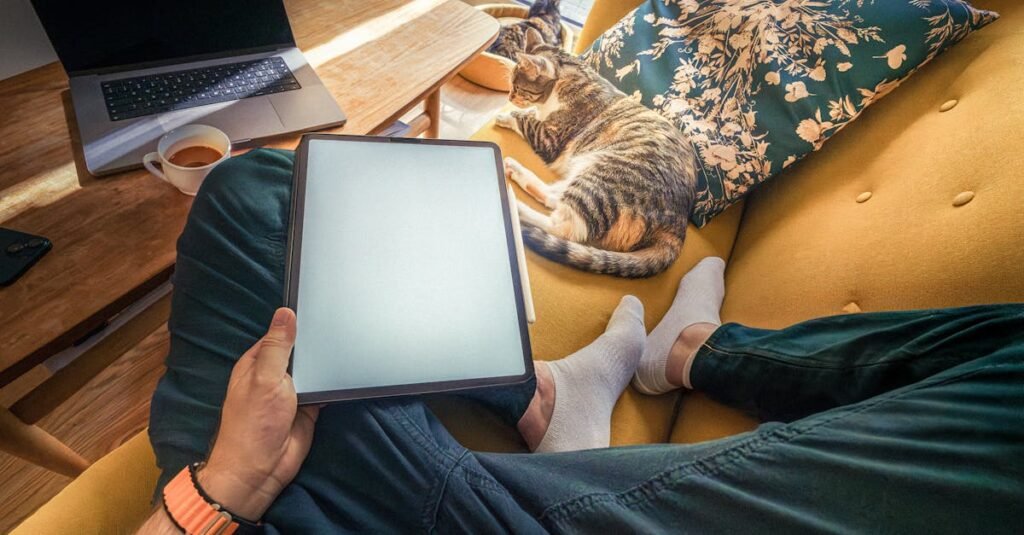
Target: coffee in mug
[[195, 156], [186, 155]]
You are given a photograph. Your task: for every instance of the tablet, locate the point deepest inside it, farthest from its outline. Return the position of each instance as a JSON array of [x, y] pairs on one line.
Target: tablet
[[402, 269]]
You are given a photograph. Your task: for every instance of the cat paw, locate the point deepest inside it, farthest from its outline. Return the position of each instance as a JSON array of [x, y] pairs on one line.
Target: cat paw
[[513, 170], [505, 120]]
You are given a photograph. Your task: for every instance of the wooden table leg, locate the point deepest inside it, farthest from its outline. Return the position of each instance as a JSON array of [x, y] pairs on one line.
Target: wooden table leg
[[37, 446], [434, 112]]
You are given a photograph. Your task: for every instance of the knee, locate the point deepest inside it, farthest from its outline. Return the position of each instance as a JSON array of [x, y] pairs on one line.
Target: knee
[[251, 189], [221, 180]]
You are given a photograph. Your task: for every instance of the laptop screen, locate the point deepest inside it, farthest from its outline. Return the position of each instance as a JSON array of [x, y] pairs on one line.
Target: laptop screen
[[117, 33]]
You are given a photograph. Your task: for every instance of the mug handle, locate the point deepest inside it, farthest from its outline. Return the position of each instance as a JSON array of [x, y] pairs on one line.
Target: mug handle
[[149, 161]]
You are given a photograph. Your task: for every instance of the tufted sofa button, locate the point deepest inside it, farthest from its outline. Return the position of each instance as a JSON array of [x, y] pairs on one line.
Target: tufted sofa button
[[863, 197], [948, 105], [963, 198]]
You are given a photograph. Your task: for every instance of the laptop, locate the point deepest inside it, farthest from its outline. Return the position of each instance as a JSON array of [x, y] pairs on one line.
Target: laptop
[[138, 69]]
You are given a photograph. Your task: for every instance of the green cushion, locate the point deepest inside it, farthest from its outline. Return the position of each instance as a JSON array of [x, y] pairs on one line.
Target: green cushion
[[759, 85]]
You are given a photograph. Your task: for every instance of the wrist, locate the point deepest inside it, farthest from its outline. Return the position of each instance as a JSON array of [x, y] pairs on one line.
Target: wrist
[[236, 494]]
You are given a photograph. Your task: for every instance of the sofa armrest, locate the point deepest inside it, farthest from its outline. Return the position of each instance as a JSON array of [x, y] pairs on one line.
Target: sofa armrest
[[111, 496]]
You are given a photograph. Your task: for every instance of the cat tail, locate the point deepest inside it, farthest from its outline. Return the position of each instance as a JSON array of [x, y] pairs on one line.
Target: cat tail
[[638, 264]]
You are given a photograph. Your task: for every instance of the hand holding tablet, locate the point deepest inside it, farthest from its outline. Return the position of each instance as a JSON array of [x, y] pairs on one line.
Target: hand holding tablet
[[403, 269]]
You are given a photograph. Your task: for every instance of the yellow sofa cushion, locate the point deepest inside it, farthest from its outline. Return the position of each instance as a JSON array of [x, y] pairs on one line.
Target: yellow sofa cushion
[[572, 310], [112, 496], [813, 242]]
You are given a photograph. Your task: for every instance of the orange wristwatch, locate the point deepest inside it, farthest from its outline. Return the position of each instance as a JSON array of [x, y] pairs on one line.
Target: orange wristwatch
[[195, 513]]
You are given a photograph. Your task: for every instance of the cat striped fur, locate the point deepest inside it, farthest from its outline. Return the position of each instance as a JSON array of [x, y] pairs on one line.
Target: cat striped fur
[[628, 175], [544, 17]]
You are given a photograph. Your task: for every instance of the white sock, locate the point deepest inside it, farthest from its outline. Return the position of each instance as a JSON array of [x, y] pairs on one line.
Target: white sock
[[698, 300], [589, 382]]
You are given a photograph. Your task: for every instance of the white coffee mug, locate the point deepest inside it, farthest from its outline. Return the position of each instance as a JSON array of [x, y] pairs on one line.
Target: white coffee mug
[[186, 179]]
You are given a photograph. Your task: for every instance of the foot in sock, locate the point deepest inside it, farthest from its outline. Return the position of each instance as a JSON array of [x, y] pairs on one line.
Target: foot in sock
[[697, 303], [586, 386]]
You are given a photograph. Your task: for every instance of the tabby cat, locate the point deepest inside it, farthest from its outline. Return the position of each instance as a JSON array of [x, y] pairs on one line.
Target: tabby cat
[[544, 18], [627, 174]]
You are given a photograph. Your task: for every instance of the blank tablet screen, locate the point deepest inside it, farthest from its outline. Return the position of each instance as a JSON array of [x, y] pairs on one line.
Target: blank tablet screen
[[405, 274]]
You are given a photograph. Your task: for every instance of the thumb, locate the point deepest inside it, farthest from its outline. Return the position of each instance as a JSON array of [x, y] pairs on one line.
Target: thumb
[[282, 327], [276, 345]]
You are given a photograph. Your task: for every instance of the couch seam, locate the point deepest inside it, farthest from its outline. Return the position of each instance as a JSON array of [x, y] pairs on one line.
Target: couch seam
[[736, 235]]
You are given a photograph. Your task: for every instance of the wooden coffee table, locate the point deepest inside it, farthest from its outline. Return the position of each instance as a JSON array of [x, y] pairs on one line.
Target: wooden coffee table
[[114, 237]]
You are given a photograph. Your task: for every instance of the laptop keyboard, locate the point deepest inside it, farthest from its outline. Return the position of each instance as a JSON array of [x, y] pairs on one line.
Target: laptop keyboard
[[159, 93]]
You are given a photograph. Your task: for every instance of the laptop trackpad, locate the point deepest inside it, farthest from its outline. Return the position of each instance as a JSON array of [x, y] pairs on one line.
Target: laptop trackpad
[[244, 119]]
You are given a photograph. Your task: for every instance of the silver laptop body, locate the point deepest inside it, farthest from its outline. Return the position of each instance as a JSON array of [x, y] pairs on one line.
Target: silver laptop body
[[249, 105]]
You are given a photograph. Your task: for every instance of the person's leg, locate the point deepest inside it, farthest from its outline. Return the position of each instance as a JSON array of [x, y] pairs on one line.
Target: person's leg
[[391, 465], [568, 405], [575, 411], [383, 441], [373, 465], [787, 374], [695, 308], [926, 434], [228, 281]]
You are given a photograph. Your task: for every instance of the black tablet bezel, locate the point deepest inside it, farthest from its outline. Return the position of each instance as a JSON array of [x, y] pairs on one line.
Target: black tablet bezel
[[291, 281]]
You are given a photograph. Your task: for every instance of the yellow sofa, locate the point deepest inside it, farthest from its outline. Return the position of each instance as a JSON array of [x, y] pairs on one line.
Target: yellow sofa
[[801, 247]]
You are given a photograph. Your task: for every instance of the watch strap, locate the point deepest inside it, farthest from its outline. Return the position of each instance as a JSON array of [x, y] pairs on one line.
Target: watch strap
[[195, 513], [245, 526]]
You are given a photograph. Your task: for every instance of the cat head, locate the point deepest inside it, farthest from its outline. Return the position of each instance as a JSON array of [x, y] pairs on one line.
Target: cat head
[[537, 70]]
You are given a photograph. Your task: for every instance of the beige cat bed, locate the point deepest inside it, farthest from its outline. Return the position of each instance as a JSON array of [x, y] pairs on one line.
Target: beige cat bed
[[491, 70]]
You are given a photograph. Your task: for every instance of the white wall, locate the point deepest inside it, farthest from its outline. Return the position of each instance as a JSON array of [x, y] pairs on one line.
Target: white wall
[[23, 43]]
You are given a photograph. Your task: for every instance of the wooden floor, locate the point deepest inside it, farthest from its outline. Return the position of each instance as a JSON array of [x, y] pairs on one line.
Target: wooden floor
[[114, 406], [109, 410], [465, 107]]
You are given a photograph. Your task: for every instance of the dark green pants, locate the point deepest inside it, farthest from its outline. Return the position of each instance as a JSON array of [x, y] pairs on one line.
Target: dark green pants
[[899, 422]]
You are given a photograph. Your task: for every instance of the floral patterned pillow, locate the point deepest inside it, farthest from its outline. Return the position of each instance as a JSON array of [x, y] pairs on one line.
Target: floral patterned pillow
[[759, 84]]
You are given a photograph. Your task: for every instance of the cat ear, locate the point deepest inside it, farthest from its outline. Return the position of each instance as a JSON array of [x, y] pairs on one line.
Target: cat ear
[[533, 40], [534, 66], [528, 65]]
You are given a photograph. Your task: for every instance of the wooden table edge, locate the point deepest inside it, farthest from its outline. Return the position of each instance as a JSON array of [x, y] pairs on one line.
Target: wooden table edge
[[436, 87], [99, 319]]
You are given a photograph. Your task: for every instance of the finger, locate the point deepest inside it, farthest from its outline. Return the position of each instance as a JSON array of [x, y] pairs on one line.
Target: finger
[[300, 437], [276, 345], [304, 425], [312, 411]]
